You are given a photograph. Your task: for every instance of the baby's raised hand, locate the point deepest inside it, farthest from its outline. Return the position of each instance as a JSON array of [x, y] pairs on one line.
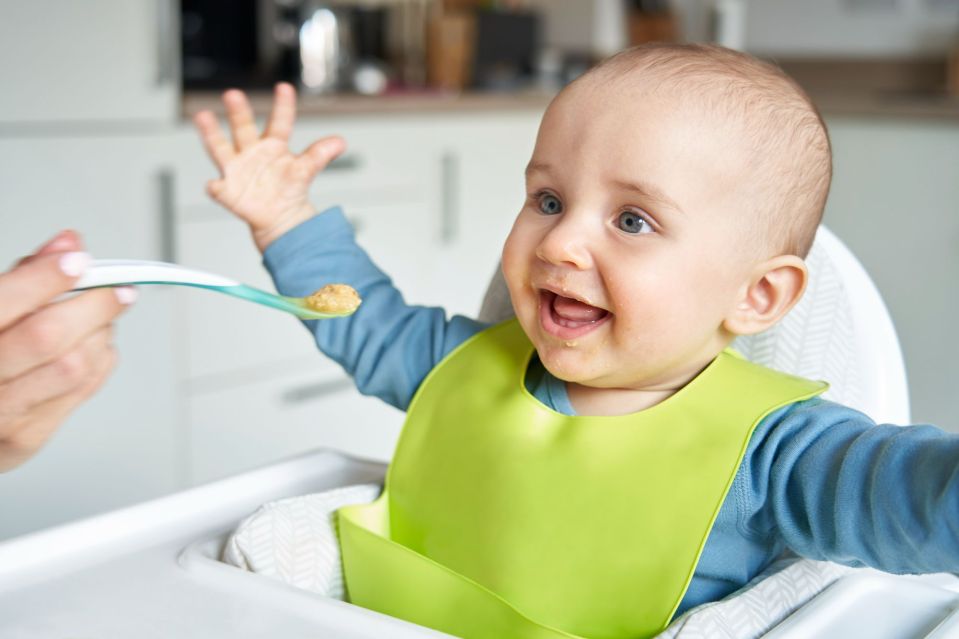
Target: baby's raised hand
[[261, 180]]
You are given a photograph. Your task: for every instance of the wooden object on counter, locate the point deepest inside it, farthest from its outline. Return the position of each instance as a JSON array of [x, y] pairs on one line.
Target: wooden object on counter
[[952, 72], [456, 6], [450, 43], [883, 87], [838, 75], [643, 27], [432, 101]]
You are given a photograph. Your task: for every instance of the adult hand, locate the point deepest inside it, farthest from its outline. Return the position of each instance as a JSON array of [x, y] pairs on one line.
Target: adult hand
[[53, 354]]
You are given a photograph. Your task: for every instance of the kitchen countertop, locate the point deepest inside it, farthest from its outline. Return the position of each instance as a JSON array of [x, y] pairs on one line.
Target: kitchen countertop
[[873, 87], [876, 87], [411, 103], [892, 104]]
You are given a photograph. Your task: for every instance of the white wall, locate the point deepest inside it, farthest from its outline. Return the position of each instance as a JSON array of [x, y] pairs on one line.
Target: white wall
[[851, 27], [857, 28]]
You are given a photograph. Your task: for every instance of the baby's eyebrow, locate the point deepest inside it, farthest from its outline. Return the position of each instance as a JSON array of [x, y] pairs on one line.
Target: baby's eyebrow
[[648, 190], [534, 167]]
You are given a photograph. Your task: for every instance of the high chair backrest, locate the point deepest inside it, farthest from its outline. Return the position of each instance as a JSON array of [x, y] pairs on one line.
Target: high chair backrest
[[840, 332]]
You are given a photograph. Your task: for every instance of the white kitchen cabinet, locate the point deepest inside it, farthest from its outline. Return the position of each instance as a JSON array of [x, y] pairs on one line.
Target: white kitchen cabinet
[[481, 190], [385, 160], [125, 444], [384, 194], [239, 355], [228, 337], [251, 424], [106, 62]]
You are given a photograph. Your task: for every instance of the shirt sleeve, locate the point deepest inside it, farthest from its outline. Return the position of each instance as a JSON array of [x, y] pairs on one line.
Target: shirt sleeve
[[836, 486], [387, 345]]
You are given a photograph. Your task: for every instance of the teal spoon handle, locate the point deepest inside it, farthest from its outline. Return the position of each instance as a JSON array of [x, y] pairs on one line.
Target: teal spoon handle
[[138, 272]]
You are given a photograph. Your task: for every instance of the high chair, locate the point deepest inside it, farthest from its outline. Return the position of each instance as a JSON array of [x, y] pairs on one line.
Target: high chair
[[153, 569]]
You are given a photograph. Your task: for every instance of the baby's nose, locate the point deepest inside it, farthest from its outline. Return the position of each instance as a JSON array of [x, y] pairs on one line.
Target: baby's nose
[[565, 245]]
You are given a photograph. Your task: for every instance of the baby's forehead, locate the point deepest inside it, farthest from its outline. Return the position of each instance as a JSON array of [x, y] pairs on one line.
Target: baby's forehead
[[702, 96], [598, 148], [619, 119]]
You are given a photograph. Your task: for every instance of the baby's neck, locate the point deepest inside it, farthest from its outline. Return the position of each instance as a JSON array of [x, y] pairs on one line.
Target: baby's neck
[[593, 400], [587, 400]]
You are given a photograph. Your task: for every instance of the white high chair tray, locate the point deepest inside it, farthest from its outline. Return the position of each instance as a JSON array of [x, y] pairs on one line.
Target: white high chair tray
[[879, 606], [151, 570]]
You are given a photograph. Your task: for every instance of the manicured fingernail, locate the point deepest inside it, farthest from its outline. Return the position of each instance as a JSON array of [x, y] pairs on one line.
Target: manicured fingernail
[[126, 294], [60, 242], [75, 263]]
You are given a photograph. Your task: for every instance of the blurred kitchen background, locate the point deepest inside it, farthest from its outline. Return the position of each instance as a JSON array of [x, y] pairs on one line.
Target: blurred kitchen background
[[439, 101]]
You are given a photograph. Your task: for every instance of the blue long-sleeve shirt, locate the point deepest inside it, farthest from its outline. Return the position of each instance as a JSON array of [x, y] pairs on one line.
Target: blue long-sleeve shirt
[[818, 478]]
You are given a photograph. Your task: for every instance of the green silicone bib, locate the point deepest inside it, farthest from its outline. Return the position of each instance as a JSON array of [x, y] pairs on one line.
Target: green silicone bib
[[502, 518]]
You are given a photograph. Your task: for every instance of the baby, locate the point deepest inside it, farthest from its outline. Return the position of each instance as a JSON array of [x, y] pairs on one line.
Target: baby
[[603, 462]]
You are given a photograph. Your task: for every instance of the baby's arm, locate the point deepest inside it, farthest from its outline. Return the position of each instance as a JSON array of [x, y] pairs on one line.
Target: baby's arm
[[387, 346], [841, 488]]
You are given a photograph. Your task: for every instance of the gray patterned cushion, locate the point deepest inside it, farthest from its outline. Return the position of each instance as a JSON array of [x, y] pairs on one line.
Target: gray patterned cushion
[[294, 539]]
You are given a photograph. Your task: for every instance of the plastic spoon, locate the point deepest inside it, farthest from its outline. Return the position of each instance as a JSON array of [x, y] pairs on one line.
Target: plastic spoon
[[137, 272]]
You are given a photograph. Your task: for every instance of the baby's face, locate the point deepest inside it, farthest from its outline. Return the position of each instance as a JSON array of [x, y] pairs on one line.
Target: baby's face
[[626, 256]]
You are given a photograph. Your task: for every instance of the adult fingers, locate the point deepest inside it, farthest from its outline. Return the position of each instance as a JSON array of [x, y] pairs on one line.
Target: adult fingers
[[20, 397], [36, 281], [240, 115], [63, 241], [214, 142], [34, 431], [280, 124], [318, 155], [56, 329]]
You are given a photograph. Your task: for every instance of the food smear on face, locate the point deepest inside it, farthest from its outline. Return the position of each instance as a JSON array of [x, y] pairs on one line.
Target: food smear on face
[[334, 298]]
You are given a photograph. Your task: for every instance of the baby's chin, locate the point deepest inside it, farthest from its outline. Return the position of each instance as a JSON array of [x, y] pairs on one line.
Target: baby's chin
[[569, 364]]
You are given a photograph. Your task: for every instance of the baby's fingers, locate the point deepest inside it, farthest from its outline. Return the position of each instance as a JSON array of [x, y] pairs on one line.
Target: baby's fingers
[[240, 115], [215, 189], [217, 146], [319, 154], [281, 120]]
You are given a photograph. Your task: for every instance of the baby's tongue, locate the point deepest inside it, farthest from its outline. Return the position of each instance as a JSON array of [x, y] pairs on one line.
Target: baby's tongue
[[575, 310]]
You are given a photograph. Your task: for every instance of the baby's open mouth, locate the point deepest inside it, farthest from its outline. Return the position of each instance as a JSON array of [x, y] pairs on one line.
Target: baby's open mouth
[[566, 317]]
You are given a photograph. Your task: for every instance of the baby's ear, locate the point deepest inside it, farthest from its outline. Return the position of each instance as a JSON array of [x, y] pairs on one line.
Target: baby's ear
[[772, 290]]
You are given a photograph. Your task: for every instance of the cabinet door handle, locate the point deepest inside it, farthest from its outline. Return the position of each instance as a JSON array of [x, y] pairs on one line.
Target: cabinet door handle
[[166, 215], [344, 163], [449, 194], [311, 392], [166, 44]]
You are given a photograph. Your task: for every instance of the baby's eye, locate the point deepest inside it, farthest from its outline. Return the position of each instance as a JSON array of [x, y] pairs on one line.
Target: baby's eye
[[633, 223], [549, 204]]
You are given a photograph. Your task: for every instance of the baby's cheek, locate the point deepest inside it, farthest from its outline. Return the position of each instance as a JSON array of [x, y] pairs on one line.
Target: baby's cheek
[[511, 249], [515, 267]]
